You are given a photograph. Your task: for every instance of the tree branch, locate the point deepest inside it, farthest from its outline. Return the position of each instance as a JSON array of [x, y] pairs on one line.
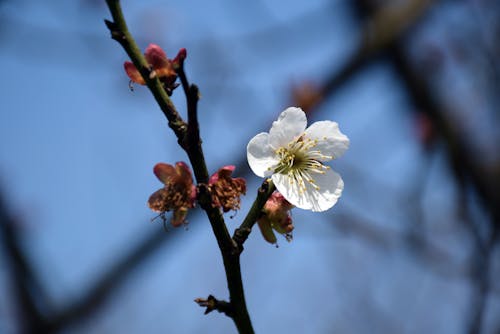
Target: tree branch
[[189, 139], [27, 288], [109, 281], [241, 233], [212, 303]]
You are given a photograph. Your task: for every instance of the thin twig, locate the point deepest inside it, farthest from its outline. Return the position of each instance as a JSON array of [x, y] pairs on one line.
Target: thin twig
[[213, 304], [241, 233]]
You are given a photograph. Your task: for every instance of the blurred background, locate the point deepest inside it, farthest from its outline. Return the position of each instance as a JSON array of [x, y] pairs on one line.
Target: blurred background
[[412, 245]]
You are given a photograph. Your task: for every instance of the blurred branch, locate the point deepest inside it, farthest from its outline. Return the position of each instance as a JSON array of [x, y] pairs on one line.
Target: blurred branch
[[383, 32], [388, 24], [366, 53], [103, 289], [380, 32], [429, 254], [481, 267], [27, 288], [110, 281], [485, 180], [459, 156], [374, 42]]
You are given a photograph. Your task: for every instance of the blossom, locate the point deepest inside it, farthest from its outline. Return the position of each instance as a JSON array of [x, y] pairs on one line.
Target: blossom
[[294, 157], [160, 66], [225, 189], [276, 216], [178, 193]]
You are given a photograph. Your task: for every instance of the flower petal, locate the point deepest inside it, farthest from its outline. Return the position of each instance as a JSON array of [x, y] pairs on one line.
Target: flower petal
[[223, 171], [164, 172], [156, 57], [184, 172], [156, 201], [331, 141], [261, 156], [133, 73], [291, 123], [330, 189], [266, 230]]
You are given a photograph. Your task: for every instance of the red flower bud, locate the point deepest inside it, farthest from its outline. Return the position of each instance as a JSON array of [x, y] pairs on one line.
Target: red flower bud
[[178, 61], [160, 66]]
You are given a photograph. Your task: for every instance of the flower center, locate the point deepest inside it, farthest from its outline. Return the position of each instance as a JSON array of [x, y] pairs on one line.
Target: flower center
[[299, 161]]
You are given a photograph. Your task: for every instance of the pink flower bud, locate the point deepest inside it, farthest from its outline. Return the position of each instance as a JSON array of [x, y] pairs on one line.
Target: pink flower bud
[[276, 216], [179, 59], [160, 66]]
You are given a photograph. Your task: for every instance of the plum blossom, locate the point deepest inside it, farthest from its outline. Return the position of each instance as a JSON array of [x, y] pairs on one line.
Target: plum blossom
[[226, 190], [160, 66], [177, 195], [293, 156], [276, 216]]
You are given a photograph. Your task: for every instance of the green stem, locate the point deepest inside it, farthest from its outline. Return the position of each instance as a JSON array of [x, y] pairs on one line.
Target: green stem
[[242, 232]]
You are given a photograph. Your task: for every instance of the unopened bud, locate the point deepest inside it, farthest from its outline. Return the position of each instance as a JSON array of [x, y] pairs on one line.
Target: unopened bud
[[276, 216]]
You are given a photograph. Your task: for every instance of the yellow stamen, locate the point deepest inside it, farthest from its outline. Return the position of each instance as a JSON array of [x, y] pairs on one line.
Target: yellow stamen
[[299, 161]]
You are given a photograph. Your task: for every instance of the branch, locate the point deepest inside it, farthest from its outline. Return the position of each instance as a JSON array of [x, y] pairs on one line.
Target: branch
[[107, 284], [27, 288], [102, 289], [111, 280], [486, 181], [192, 140], [189, 140], [379, 33], [212, 303], [241, 233]]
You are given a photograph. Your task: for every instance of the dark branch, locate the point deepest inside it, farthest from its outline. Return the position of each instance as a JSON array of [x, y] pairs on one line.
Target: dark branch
[[109, 282], [242, 232], [213, 304], [27, 288]]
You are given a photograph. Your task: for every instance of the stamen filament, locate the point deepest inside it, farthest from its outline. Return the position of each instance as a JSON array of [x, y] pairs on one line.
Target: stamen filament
[[299, 162]]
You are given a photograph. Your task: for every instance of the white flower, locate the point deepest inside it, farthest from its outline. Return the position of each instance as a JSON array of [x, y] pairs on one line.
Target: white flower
[[293, 156]]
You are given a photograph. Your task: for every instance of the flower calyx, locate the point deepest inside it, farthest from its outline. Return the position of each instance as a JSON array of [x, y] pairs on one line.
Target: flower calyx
[[276, 216], [225, 189], [159, 65], [178, 193]]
